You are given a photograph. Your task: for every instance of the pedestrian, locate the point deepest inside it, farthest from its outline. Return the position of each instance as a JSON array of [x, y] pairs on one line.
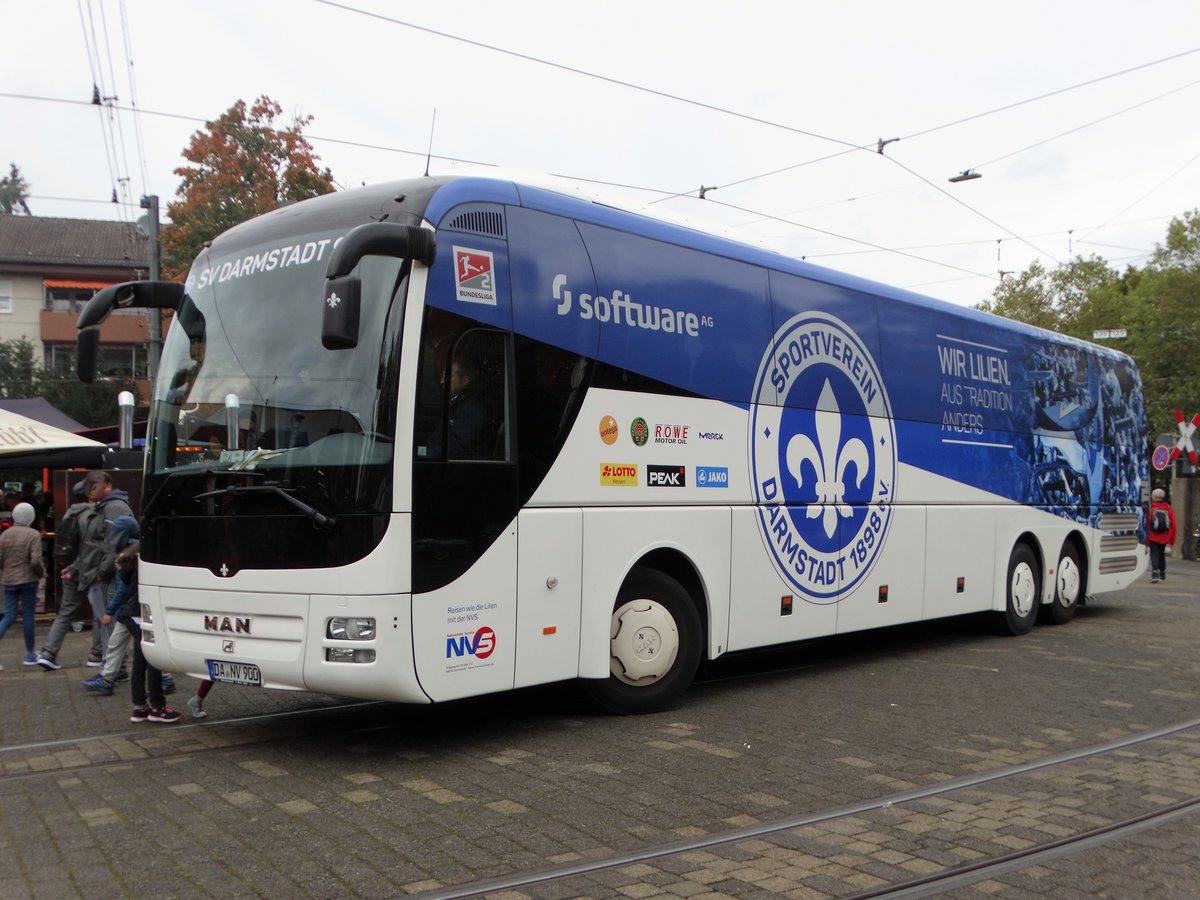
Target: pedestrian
[[66, 549], [1161, 534], [119, 635], [146, 683], [195, 703], [94, 567], [20, 569]]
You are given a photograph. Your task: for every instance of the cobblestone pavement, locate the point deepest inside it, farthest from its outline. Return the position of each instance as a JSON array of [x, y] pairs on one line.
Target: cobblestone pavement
[[301, 795]]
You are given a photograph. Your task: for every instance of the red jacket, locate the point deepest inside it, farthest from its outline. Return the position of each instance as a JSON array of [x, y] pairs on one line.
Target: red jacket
[[1161, 537]]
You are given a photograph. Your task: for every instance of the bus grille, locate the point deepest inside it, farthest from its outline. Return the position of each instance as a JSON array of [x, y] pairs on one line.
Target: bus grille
[[1118, 548]]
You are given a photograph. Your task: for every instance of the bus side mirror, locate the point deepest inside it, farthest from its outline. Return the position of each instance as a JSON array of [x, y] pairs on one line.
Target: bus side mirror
[[128, 295], [343, 293], [339, 327], [87, 347]]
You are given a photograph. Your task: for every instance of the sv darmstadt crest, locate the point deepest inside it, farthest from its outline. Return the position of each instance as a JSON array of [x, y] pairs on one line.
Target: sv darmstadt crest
[[823, 456]]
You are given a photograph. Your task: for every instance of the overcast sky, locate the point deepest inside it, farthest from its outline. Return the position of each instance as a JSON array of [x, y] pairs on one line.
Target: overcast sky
[[659, 98]]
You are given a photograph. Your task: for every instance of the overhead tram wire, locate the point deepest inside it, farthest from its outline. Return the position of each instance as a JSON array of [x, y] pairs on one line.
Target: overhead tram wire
[[855, 240], [133, 101], [123, 159], [1063, 90], [89, 43], [972, 118], [700, 104], [657, 93], [1141, 198], [421, 154], [1088, 124]]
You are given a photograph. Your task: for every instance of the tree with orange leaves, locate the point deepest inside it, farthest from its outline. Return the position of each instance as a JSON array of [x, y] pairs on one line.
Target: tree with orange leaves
[[242, 166]]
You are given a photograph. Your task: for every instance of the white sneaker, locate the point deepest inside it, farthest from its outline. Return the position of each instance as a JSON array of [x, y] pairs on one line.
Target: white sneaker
[[195, 708]]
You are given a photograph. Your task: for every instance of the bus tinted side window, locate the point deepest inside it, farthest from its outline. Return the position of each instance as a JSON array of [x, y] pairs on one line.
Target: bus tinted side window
[[462, 392]]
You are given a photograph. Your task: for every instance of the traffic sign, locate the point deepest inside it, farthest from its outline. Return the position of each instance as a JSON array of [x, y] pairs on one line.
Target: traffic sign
[[1184, 443], [1161, 458]]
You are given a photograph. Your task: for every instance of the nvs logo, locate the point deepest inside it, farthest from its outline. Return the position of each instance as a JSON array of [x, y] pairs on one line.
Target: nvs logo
[[479, 645], [823, 478]]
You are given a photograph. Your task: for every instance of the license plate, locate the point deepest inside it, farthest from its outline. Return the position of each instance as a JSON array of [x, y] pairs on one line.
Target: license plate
[[234, 672]]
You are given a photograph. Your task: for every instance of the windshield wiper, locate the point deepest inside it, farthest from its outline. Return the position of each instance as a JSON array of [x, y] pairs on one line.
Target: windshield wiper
[[317, 517]]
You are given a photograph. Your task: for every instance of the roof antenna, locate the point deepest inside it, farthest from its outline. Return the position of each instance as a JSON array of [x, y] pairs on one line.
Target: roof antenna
[[429, 152]]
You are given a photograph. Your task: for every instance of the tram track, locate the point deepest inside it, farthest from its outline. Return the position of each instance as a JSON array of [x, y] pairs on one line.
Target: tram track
[[923, 885], [962, 876]]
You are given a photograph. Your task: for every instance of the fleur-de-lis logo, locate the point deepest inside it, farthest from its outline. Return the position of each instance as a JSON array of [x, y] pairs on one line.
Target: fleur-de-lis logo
[[333, 300], [830, 460]]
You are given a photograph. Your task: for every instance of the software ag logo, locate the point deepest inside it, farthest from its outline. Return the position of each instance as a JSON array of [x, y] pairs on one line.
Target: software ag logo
[[823, 456]]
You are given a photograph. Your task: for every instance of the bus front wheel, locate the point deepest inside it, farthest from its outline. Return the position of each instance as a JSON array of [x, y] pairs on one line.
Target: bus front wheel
[[1069, 585], [1024, 591], [654, 645]]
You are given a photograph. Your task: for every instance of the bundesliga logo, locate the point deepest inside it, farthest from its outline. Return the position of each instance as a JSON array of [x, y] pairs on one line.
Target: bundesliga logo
[[823, 478]]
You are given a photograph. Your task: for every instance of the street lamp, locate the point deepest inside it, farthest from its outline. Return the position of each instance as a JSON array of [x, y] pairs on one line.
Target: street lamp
[[965, 175]]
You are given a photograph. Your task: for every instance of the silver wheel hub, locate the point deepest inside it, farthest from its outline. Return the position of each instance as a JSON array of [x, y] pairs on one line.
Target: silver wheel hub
[[644, 642], [1022, 589], [1068, 581]]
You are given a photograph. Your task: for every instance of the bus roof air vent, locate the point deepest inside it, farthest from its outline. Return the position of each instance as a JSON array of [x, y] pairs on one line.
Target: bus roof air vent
[[477, 219]]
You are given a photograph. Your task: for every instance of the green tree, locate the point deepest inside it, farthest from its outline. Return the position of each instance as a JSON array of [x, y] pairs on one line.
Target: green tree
[[1056, 299], [1164, 330], [14, 192], [21, 376], [18, 369], [242, 165], [92, 404]]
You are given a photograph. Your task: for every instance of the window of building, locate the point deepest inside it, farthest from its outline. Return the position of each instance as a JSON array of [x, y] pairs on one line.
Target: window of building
[[113, 361], [6, 296], [67, 299]]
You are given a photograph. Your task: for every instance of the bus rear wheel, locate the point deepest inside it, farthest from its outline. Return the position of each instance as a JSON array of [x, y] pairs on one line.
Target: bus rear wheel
[[1024, 591], [654, 645], [1070, 583]]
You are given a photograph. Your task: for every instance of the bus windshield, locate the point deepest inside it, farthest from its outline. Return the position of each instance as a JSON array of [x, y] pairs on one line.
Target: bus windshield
[[247, 394]]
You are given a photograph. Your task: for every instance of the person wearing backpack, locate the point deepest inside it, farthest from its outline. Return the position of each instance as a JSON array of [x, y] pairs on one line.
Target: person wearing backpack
[[66, 548], [1161, 533]]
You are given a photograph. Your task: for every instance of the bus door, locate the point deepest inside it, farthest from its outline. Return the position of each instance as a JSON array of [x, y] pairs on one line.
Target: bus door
[[464, 488]]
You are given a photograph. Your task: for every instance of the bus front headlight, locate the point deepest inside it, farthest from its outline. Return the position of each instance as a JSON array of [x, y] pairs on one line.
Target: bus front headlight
[[347, 628]]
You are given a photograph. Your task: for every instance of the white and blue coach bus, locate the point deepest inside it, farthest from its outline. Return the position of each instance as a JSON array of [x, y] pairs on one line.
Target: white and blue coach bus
[[463, 435]]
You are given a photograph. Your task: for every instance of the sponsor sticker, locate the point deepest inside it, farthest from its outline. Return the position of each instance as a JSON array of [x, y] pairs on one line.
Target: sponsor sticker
[[475, 276], [666, 476], [609, 430], [712, 477], [465, 648], [671, 434], [619, 474], [639, 432], [711, 435]]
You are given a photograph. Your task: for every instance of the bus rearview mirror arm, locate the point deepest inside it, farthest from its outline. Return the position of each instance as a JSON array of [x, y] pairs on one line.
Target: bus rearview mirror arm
[[343, 291], [127, 295]]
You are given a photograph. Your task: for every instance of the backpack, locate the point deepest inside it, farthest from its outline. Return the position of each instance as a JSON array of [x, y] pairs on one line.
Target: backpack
[[66, 537], [1160, 522]]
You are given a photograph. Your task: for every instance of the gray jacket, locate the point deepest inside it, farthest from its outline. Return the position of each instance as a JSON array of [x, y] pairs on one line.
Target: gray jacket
[[98, 543]]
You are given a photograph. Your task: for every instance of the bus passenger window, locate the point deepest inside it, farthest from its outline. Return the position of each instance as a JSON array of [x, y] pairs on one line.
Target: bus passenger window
[[476, 404], [461, 403]]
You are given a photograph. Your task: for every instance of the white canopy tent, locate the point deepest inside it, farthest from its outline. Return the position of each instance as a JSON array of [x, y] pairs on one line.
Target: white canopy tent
[[25, 443]]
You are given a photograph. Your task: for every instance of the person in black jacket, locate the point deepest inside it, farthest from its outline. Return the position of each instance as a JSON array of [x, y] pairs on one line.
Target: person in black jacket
[[93, 569], [66, 547]]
